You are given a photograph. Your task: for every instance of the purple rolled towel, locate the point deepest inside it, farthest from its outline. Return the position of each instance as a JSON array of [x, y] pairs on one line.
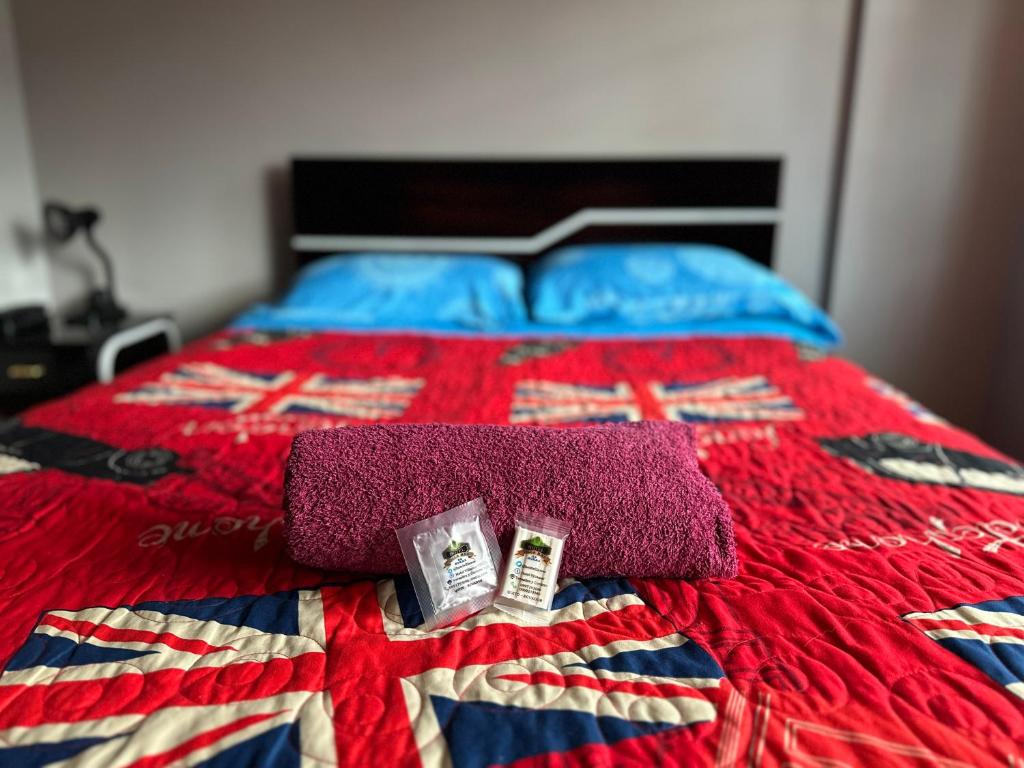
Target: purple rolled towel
[[634, 495]]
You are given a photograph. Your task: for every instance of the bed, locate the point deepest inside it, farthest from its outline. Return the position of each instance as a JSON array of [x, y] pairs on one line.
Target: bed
[[152, 618]]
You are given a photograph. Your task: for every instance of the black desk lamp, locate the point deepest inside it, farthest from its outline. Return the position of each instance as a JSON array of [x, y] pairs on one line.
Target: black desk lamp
[[62, 223]]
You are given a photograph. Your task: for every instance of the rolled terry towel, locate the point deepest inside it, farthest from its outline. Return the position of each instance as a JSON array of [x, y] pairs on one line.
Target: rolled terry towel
[[633, 494]]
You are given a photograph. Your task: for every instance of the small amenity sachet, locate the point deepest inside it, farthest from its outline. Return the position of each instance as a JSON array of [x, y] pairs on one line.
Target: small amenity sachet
[[531, 570], [453, 561]]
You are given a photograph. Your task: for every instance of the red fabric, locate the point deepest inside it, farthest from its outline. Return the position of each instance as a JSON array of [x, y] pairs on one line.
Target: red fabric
[[818, 659]]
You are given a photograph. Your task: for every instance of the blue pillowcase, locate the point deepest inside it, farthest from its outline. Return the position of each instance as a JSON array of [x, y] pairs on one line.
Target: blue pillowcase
[[650, 285], [400, 291], [599, 291]]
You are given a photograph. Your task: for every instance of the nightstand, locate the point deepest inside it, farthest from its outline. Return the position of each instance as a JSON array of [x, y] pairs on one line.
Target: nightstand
[[74, 355]]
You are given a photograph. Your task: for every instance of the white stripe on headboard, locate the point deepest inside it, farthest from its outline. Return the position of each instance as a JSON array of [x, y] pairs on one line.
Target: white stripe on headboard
[[586, 217]]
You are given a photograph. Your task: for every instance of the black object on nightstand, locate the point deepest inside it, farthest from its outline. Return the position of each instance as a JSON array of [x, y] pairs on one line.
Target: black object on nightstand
[[38, 366]]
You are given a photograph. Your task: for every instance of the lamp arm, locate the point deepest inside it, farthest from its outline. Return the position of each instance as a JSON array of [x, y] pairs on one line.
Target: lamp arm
[[104, 257]]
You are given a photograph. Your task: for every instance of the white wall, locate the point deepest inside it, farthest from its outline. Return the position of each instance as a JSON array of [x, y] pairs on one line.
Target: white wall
[[177, 118], [934, 198], [1004, 422], [23, 268]]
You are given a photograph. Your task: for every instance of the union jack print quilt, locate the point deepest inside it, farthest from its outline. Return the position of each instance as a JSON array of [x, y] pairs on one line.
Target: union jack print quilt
[[151, 618]]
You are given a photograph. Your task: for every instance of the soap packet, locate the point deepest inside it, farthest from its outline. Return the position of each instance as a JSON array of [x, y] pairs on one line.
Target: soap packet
[[530, 577], [454, 563]]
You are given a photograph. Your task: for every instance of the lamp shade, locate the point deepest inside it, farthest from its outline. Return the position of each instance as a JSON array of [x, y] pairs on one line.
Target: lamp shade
[[62, 222]]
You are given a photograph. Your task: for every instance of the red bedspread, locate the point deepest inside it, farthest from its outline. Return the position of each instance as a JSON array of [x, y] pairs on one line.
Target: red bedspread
[[150, 616]]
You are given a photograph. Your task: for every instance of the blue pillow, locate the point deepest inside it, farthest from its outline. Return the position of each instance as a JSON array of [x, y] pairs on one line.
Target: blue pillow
[[662, 284], [408, 290]]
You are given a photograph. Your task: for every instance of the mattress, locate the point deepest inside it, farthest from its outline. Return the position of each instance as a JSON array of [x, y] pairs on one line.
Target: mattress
[[152, 618]]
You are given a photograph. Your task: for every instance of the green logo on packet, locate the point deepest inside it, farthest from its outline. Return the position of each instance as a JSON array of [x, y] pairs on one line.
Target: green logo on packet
[[535, 544], [455, 549]]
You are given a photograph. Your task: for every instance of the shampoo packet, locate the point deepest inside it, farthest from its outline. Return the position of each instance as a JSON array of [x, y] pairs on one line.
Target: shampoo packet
[[453, 561], [531, 571]]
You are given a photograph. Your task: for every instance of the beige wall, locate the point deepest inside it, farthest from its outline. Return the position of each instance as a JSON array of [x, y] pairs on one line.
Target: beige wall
[[23, 268], [176, 117], [934, 200]]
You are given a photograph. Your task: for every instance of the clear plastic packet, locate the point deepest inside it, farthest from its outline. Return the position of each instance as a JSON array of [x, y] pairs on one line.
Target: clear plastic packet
[[454, 562], [530, 578]]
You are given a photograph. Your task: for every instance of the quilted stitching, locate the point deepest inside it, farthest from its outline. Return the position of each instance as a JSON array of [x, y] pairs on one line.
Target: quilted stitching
[[818, 663]]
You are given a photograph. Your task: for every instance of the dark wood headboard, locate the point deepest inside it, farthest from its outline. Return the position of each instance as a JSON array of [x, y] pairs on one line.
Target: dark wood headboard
[[524, 207]]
